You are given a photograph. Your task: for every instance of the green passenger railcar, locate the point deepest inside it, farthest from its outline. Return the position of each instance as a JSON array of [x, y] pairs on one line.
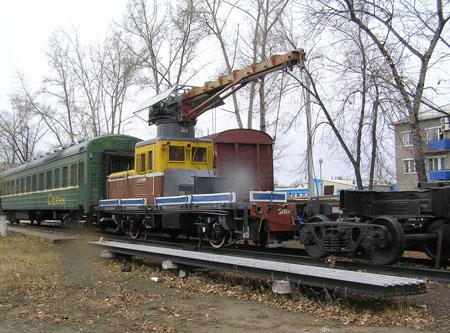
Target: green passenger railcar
[[67, 184]]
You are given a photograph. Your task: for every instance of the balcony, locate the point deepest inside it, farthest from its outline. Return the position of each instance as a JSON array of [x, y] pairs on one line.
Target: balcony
[[442, 144], [438, 175]]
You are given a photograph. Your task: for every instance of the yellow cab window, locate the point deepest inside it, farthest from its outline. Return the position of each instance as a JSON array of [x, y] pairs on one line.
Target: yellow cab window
[[150, 160], [199, 154], [176, 153]]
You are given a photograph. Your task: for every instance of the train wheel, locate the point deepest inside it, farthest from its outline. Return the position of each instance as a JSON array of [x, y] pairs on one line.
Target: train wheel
[[314, 249], [430, 246], [392, 248], [135, 234], [217, 236]]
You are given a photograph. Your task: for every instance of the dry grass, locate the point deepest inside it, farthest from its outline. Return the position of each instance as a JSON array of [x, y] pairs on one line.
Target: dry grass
[[60, 285]]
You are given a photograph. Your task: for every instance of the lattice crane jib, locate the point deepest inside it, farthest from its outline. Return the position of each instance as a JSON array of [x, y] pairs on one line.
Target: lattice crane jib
[[182, 105]]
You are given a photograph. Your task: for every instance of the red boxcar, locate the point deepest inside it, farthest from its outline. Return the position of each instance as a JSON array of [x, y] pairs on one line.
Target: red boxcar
[[246, 157]]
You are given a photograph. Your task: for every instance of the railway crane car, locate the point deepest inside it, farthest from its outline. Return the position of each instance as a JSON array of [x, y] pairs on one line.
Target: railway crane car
[[66, 184], [177, 188]]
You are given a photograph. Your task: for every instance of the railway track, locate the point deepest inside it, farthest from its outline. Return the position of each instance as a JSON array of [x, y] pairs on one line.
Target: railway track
[[282, 255]]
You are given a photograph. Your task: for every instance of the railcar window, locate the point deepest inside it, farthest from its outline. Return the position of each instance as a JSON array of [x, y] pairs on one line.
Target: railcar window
[[121, 164], [56, 181], [28, 184], [81, 173], [199, 154], [17, 189], [141, 162], [49, 180], [22, 185], [65, 176], [34, 183], [150, 160], [74, 175], [41, 181], [176, 153]]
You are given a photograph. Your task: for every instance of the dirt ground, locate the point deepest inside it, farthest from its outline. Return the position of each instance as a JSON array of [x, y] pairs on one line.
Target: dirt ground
[[55, 288]]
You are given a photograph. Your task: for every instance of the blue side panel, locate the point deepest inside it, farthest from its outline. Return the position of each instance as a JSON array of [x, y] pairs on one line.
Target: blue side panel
[[180, 200], [109, 202], [214, 198], [268, 196], [133, 202]]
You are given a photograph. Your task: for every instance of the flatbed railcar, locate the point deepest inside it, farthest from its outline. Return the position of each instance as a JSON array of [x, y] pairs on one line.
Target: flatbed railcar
[[220, 189], [66, 184]]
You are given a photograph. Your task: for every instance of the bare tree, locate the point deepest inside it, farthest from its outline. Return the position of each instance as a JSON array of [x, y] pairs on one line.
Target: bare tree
[[405, 31], [213, 24], [163, 39], [20, 132], [116, 70]]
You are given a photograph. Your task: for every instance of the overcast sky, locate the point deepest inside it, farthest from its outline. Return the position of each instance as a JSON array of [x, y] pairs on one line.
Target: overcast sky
[[25, 27]]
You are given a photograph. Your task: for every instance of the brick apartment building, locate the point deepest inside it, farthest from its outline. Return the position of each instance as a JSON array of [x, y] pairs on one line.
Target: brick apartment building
[[436, 135]]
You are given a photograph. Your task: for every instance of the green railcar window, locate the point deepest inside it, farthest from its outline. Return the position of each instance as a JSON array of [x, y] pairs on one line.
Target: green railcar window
[[22, 185], [65, 176], [74, 175], [28, 184], [41, 181], [34, 183], [49, 180], [81, 173], [56, 180], [17, 188]]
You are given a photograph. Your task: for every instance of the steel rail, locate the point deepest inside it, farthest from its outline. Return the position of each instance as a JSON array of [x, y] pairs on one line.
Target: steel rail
[[270, 254]]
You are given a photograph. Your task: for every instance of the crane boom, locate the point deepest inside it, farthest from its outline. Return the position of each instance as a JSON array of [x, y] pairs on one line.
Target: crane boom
[[183, 105]]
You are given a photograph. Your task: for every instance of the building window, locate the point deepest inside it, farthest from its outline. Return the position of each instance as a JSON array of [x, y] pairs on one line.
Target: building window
[[409, 166], [435, 163], [176, 153], [74, 175], [81, 173], [433, 134], [65, 176], [199, 154], [407, 139], [150, 160], [56, 182]]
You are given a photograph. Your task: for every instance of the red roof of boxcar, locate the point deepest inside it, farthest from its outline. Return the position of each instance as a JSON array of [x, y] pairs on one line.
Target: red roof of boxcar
[[243, 136]]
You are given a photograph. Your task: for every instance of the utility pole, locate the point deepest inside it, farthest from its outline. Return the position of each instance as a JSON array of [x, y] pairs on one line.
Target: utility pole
[[320, 173], [309, 138]]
